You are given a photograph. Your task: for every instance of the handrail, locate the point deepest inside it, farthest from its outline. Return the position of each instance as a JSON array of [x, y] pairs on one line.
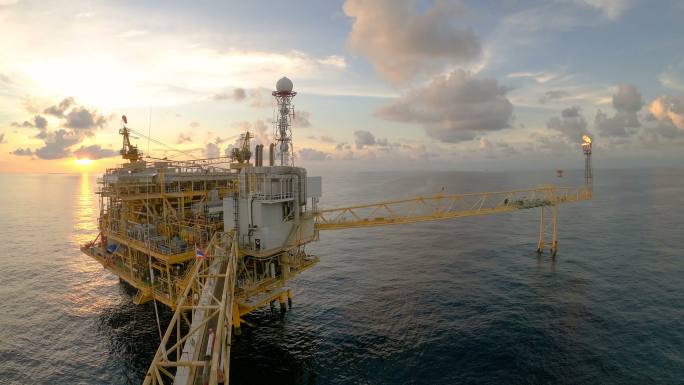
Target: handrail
[[441, 206], [207, 310]]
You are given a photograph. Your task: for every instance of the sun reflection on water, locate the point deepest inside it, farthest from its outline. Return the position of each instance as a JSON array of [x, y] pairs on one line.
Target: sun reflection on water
[[85, 221], [91, 292]]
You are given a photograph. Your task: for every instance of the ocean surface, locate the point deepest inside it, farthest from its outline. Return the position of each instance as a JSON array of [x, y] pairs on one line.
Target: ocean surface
[[460, 301]]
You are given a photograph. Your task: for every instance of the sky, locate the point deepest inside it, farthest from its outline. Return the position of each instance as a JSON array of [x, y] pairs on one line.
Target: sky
[[382, 85]]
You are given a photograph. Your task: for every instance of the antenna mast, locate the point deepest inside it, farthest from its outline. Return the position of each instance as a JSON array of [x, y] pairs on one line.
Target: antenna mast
[[283, 123]]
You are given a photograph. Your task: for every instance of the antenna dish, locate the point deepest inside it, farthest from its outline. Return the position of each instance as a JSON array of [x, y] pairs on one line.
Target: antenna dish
[[284, 85]]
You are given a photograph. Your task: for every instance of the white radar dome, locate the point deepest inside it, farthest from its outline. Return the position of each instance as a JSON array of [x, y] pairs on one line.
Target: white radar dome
[[284, 85]]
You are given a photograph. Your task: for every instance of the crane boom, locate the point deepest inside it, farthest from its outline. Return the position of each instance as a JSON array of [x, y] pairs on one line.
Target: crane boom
[[440, 207]]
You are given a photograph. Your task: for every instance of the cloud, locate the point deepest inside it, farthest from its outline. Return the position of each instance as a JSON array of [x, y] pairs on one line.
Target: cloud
[[334, 61], [668, 108], [259, 129], [260, 135], [571, 124], [402, 43], [627, 102], [665, 118], [491, 150], [6, 80], [310, 154], [453, 108], [673, 76], [24, 124], [627, 98], [301, 119], [2, 138], [58, 110], [183, 138], [40, 122], [257, 97], [132, 33], [539, 77], [342, 146], [37, 122], [260, 98], [323, 138], [238, 95], [77, 122], [363, 138], [381, 150], [531, 30], [75, 116], [194, 124], [22, 152], [486, 146], [57, 144], [212, 150], [611, 9], [553, 95], [94, 152], [80, 118]]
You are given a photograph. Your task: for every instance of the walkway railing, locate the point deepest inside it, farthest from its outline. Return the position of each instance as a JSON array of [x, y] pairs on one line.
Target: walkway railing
[[196, 349], [438, 207]]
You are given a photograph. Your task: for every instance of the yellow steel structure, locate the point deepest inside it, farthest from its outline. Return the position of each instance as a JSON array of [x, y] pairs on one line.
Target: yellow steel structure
[[156, 225], [439, 207]]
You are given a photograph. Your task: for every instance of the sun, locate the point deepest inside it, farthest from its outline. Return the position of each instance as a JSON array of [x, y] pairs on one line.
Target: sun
[[84, 161]]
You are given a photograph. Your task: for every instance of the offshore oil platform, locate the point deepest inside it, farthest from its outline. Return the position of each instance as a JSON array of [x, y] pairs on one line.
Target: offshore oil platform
[[215, 239]]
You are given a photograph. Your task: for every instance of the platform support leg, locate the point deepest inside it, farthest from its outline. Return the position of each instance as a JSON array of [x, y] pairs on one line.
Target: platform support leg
[[548, 229], [236, 318], [289, 298], [283, 301]]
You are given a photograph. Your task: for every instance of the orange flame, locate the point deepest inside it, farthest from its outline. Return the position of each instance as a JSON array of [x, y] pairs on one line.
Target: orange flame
[[586, 139]]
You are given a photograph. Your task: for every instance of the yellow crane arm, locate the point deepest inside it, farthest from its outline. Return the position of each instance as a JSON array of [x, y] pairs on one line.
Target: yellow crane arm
[[439, 207]]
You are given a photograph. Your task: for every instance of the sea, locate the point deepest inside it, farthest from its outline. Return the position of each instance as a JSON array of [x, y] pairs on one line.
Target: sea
[[462, 301]]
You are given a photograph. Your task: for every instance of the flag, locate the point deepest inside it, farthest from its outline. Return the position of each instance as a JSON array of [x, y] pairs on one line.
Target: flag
[[199, 253]]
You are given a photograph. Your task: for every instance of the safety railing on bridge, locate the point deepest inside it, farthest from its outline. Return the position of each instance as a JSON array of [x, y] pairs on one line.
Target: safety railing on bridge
[[196, 346], [437, 207]]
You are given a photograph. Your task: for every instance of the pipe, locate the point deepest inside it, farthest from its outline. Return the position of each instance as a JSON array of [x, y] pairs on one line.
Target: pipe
[[271, 155], [295, 203], [259, 152]]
